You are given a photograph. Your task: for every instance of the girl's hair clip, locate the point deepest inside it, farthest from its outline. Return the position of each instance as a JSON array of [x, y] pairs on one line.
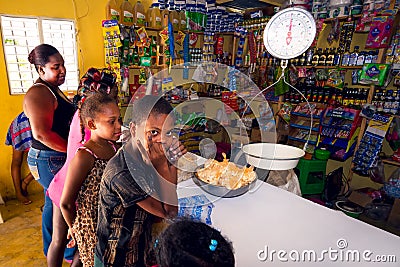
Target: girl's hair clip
[[156, 243], [213, 245]]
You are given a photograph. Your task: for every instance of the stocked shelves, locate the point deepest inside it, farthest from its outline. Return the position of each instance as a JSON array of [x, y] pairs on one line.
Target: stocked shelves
[[329, 67], [343, 18], [305, 115], [315, 129], [311, 142]]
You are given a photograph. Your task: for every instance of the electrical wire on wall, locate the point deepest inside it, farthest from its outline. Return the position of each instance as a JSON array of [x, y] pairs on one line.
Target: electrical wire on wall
[[82, 59]]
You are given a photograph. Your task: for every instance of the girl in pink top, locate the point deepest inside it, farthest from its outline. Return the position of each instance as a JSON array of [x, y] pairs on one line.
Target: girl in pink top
[[76, 139], [74, 142]]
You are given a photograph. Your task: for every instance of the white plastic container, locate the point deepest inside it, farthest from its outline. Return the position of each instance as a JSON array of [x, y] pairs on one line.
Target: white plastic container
[[270, 156], [339, 11], [340, 2]]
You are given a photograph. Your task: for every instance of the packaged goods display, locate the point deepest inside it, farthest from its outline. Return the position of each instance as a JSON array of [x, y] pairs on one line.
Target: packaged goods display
[[352, 62]]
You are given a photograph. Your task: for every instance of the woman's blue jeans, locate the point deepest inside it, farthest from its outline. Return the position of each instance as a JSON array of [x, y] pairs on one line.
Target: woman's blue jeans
[[44, 164]]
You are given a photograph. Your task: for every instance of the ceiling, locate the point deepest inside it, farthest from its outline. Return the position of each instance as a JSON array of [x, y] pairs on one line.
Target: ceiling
[[245, 4]]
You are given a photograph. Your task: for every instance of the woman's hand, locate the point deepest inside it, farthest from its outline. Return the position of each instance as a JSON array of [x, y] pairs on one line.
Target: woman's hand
[[71, 235]]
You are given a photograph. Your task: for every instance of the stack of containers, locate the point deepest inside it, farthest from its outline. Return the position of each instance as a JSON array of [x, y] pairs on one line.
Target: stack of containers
[[212, 16], [320, 9], [218, 19], [357, 7], [378, 5], [339, 8], [306, 4]]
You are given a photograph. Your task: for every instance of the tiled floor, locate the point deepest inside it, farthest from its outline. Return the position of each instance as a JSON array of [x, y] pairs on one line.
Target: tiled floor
[[20, 234]]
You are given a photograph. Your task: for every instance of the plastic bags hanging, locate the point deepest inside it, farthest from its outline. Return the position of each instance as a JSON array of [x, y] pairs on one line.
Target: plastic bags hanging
[[286, 180]]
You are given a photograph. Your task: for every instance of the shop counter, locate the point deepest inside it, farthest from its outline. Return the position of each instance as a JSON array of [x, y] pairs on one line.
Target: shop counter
[[272, 227]]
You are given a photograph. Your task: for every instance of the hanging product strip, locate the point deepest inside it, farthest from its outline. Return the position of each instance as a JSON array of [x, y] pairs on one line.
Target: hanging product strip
[[241, 33], [252, 49]]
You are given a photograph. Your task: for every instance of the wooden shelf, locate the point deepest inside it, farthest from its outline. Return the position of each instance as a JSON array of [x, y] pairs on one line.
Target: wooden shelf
[[330, 67], [343, 18], [391, 162], [141, 67]]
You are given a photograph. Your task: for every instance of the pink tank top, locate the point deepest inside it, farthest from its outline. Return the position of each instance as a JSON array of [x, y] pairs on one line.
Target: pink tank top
[[74, 142]]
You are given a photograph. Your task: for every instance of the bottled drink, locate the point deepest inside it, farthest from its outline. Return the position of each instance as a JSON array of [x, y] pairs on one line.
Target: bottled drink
[[154, 16], [113, 10], [368, 57], [330, 57], [322, 58], [353, 56], [360, 58], [126, 13], [174, 18], [375, 56], [139, 14], [310, 54], [164, 17], [182, 19], [302, 60], [337, 57], [315, 58], [345, 58]]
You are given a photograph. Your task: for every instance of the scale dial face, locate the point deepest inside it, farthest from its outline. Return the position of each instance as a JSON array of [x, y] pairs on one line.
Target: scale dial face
[[289, 33]]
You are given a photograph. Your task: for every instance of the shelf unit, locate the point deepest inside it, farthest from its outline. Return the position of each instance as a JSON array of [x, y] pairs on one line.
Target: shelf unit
[[330, 67], [391, 162], [300, 123], [338, 132], [381, 56]]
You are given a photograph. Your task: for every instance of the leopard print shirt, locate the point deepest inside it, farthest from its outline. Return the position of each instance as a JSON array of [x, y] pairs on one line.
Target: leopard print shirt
[[86, 213]]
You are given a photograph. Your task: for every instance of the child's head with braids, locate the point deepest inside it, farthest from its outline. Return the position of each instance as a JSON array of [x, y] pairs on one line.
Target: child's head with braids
[[98, 107], [194, 244], [89, 87]]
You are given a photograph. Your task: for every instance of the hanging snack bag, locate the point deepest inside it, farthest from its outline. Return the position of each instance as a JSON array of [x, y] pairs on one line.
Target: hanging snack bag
[[180, 38], [379, 35], [373, 73]]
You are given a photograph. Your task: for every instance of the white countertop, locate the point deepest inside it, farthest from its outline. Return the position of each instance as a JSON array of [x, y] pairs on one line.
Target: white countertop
[[274, 219]]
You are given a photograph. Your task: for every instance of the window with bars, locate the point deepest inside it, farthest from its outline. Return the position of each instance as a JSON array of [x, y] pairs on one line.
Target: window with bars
[[21, 35]]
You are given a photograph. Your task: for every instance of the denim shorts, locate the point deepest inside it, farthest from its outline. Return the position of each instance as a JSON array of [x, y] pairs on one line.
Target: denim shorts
[[44, 164]]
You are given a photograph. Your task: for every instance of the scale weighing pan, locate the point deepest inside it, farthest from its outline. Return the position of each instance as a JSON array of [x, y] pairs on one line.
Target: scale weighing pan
[[271, 156]]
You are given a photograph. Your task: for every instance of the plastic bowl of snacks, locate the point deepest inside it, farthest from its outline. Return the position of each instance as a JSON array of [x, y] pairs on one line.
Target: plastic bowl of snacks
[[271, 156], [224, 179]]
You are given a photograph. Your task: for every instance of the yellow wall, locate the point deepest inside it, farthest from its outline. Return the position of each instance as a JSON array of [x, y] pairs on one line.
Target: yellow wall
[[88, 15]]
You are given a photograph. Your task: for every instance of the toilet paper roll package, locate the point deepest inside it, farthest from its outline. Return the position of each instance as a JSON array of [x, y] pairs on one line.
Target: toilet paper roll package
[[373, 73], [380, 32]]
